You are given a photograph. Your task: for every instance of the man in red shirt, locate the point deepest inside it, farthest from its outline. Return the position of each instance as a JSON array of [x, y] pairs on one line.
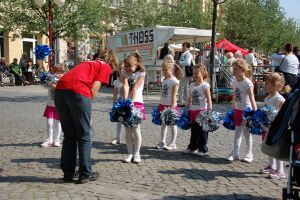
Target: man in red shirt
[[73, 95]]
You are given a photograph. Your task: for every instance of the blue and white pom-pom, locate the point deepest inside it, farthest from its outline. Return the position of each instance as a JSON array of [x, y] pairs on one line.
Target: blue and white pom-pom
[[169, 117], [156, 116], [135, 119], [209, 120], [184, 121], [46, 79], [228, 120], [121, 110], [42, 51], [251, 120], [267, 116]]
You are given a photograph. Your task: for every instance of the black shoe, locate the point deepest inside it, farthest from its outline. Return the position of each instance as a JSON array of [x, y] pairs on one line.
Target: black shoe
[[68, 179], [94, 176]]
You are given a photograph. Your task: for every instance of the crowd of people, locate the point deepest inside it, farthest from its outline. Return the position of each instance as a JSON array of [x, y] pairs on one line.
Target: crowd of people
[[19, 73]]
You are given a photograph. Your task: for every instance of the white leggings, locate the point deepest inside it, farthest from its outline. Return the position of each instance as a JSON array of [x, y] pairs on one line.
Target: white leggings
[[238, 139], [276, 164], [133, 140], [164, 130], [119, 131], [51, 125]]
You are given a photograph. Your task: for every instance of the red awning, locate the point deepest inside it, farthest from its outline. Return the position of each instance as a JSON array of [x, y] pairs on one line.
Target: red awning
[[228, 46]]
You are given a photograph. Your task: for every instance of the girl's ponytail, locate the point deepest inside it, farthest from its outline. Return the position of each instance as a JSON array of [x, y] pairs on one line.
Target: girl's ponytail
[[177, 71]]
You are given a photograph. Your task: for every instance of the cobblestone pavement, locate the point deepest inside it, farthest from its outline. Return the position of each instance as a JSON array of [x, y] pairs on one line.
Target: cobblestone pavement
[[28, 171]]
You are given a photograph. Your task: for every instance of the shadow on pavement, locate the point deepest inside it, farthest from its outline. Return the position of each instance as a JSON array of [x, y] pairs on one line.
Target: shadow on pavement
[[51, 162], [206, 175], [32, 179], [21, 145], [33, 99], [217, 196]]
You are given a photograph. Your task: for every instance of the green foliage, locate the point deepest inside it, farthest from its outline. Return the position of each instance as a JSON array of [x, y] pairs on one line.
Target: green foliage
[[73, 20], [259, 23]]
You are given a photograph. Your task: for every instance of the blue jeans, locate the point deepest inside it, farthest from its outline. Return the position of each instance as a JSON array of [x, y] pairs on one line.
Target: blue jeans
[[74, 111]]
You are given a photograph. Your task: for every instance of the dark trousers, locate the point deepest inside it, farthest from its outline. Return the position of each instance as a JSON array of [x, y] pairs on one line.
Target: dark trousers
[[74, 111], [198, 138]]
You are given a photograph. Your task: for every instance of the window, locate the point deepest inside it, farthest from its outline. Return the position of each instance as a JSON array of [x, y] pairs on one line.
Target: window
[[1, 44]]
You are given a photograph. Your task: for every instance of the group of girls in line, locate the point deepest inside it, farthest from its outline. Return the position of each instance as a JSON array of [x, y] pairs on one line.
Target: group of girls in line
[[130, 85]]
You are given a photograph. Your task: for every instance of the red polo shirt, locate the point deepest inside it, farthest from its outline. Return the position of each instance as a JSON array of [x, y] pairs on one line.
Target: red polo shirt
[[81, 78]]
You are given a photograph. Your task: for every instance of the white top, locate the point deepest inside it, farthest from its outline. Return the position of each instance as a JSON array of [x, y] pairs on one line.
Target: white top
[[198, 100], [290, 62], [185, 59], [50, 99], [119, 86], [251, 60], [274, 101], [131, 81], [241, 97], [167, 88]]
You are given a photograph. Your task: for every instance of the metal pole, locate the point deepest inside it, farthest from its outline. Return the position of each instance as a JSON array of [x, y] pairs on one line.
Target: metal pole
[[213, 41], [50, 34]]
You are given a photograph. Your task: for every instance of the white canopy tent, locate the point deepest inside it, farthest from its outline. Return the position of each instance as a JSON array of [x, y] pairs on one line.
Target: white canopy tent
[[146, 41]]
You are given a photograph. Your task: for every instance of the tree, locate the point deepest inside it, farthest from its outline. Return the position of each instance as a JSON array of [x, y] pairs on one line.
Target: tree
[[74, 20], [259, 23]]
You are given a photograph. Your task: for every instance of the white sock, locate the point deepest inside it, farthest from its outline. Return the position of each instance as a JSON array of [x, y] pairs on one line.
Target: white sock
[[119, 131], [129, 140], [174, 134], [50, 129], [57, 124], [272, 162], [237, 139], [248, 138], [164, 130], [279, 166], [137, 140]]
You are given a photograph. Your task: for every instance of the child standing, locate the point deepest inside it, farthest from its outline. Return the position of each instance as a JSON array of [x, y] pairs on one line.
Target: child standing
[[168, 100], [274, 84], [51, 114], [243, 97], [133, 84], [199, 100], [118, 93]]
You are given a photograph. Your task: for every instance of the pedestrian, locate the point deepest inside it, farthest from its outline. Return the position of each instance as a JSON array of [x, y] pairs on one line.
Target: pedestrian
[[118, 93], [289, 65], [243, 98], [275, 83], [4, 72], [74, 93], [133, 83], [199, 101], [185, 62], [17, 72], [53, 123], [170, 84]]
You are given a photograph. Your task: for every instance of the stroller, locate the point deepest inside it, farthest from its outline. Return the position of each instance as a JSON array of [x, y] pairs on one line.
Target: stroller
[[282, 137]]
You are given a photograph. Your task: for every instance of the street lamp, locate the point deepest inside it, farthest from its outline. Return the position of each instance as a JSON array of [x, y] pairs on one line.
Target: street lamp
[[59, 3]]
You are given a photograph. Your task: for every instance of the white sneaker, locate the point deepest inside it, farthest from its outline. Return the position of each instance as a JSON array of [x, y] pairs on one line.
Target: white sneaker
[[277, 175], [115, 142], [128, 158], [171, 147], [188, 151], [161, 145], [56, 143], [232, 156], [248, 158], [137, 159], [202, 154], [47, 143]]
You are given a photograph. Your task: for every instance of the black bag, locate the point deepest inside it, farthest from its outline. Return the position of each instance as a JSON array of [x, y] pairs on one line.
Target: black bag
[[189, 70]]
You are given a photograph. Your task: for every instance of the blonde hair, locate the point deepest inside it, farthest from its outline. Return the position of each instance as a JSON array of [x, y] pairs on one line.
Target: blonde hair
[[201, 67], [242, 64], [119, 66], [176, 70], [58, 69], [136, 59], [278, 81]]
